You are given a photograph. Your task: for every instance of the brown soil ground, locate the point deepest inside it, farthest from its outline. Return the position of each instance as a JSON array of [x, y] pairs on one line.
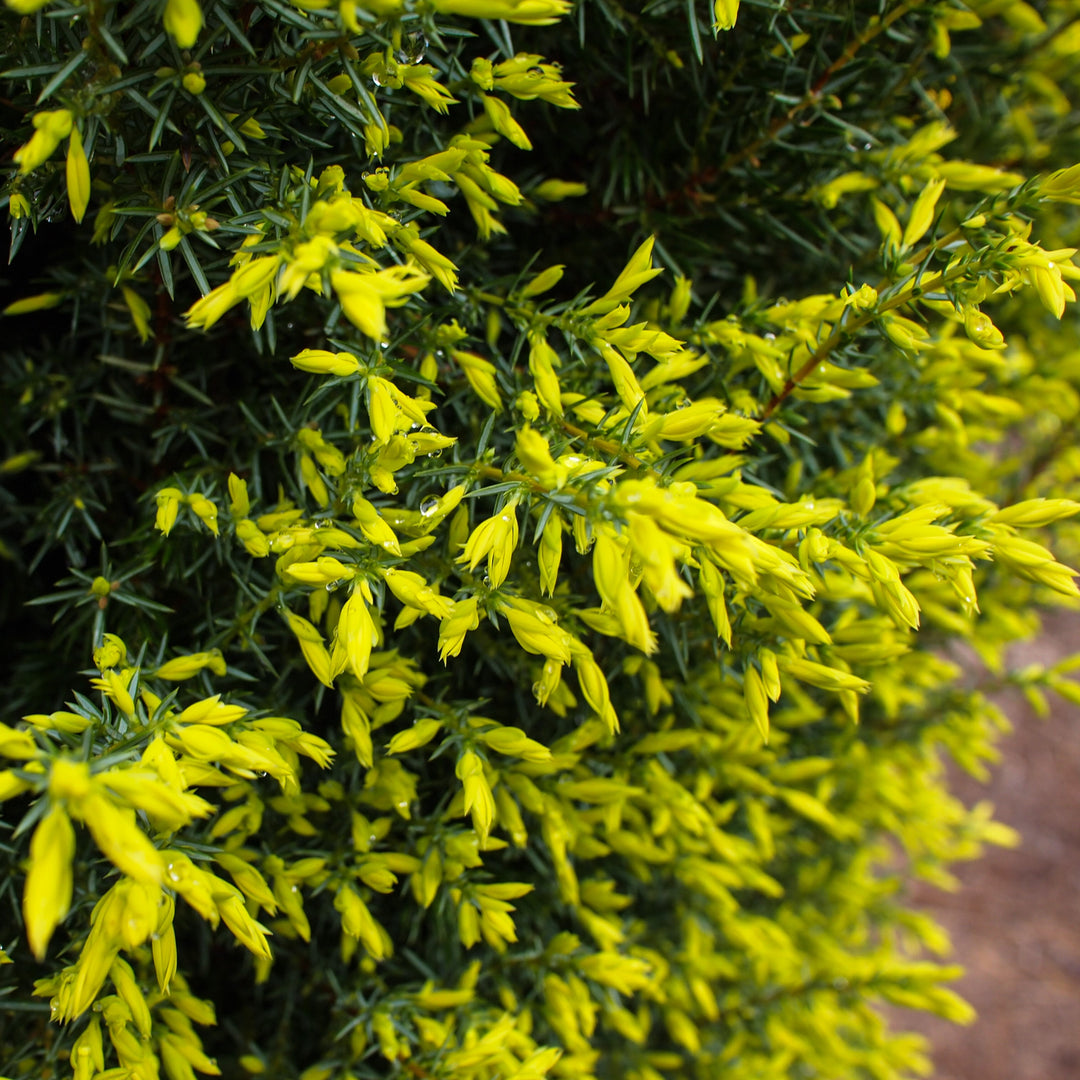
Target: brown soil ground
[[1015, 922]]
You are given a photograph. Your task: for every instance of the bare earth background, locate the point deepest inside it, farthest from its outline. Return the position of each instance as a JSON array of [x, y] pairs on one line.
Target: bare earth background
[[1015, 922]]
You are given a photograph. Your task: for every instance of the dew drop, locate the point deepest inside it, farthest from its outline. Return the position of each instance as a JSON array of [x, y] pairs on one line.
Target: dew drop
[[538, 690], [429, 505], [376, 78], [413, 47]]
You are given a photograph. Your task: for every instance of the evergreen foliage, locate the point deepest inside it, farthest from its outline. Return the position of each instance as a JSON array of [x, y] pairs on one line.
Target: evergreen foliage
[[522, 472]]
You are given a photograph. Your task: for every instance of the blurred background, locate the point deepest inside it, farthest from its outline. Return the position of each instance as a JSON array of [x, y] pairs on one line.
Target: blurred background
[[1015, 921]]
